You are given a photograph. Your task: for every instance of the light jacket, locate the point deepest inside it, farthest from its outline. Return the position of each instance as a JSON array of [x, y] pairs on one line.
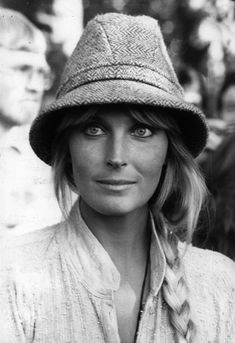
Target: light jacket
[[57, 285]]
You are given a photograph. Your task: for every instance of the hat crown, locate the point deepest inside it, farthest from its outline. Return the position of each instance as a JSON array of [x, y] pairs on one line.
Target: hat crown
[[119, 46]]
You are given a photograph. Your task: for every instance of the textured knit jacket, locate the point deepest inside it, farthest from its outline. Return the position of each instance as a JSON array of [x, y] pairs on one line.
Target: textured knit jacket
[[57, 285]]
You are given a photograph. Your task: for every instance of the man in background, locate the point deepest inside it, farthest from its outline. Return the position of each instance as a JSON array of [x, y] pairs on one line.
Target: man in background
[[24, 72], [26, 198]]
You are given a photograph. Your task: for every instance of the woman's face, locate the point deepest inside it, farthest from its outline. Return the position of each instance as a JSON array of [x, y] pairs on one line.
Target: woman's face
[[116, 162]]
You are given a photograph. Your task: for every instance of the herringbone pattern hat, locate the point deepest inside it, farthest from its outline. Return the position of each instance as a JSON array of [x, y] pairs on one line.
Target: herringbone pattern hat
[[119, 59]]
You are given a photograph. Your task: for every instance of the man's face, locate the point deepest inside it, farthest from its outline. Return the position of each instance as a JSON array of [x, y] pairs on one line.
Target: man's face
[[22, 84]]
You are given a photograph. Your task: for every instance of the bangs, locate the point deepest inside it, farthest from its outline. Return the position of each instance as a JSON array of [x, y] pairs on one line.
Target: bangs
[[75, 119], [155, 117]]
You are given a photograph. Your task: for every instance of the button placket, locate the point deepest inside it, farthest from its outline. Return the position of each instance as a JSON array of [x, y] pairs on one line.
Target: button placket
[[110, 321]]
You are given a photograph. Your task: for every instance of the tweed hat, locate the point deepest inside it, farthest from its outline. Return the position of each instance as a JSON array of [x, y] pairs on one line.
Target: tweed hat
[[120, 59]]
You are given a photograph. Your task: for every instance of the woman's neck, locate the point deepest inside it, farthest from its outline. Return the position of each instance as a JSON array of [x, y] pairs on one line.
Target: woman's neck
[[125, 238]]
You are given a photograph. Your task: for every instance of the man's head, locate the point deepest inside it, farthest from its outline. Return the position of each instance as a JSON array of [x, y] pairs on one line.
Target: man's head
[[24, 72]]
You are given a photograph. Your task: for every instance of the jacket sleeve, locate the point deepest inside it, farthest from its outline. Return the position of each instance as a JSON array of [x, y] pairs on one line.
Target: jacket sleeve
[[211, 283], [223, 297]]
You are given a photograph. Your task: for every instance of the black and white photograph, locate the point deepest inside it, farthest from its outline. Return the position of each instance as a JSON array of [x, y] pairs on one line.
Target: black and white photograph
[[117, 171]]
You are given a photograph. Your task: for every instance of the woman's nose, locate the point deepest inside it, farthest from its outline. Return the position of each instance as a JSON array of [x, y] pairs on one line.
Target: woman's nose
[[116, 153]]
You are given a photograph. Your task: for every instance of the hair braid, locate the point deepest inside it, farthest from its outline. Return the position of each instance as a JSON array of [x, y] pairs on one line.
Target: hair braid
[[174, 288]]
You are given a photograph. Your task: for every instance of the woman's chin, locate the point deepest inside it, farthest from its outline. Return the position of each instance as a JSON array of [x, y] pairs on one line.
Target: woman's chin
[[114, 207]]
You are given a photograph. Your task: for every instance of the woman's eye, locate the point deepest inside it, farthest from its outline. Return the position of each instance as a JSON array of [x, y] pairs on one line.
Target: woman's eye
[[94, 131], [142, 132]]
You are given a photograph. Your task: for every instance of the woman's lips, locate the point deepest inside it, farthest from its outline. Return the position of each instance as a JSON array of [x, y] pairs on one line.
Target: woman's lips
[[116, 185], [116, 182]]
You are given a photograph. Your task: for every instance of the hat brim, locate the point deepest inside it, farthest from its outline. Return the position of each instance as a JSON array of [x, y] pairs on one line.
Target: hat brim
[[190, 119]]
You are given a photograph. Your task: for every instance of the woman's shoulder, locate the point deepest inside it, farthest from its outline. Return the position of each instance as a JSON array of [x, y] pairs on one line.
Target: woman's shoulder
[[26, 250], [210, 267]]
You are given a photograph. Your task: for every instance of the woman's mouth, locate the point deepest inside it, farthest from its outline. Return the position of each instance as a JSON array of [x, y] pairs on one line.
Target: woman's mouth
[[116, 184]]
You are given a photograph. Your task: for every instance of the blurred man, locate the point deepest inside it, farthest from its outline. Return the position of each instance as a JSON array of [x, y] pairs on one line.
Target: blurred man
[[24, 72], [26, 197]]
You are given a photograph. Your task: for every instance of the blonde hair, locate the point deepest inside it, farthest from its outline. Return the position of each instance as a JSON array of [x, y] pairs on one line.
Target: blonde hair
[[175, 204]]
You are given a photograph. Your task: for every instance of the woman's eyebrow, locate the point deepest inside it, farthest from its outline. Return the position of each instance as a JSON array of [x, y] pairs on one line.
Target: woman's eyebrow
[[139, 121], [102, 119], [96, 120]]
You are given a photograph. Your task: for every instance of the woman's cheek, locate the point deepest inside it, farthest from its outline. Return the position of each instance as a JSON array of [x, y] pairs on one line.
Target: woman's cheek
[[84, 162], [152, 161]]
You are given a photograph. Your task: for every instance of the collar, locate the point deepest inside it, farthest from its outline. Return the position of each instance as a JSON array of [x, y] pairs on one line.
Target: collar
[[92, 264]]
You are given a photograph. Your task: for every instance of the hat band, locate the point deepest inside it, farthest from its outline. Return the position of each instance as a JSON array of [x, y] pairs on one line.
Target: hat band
[[120, 72]]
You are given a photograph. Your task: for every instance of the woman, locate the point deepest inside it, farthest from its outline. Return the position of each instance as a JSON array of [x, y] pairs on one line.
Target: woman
[[121, 136]]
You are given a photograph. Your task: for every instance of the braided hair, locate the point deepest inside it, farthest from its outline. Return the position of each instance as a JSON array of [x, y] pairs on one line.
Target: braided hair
[[176, 210]]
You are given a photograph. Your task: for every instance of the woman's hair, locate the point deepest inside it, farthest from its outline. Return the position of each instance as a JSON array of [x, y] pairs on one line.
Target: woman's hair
[[175, 204]]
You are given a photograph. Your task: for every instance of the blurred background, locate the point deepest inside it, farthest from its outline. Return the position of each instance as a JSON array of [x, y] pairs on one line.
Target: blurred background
[[200, 36]]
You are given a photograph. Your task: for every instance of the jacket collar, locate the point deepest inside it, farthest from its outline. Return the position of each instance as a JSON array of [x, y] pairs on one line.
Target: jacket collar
[[93, 265]]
